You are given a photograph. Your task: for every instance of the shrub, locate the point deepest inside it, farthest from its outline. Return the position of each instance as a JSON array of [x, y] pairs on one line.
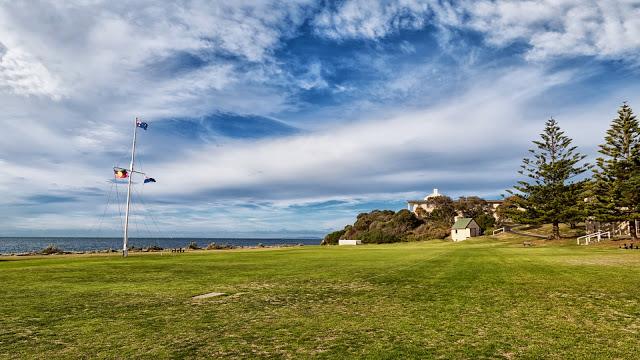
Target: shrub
[[431, 231], [214, 246], [485, 221], [332, 238], [379, 237], [378, 226], [193, 246], [51, 249], [154, 248]]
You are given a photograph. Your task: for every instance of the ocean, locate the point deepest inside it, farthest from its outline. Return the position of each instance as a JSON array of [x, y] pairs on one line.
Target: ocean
[[16, 245]]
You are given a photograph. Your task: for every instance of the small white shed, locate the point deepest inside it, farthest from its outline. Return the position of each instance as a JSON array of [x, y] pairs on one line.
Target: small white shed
[[349, 242], [464, 228]]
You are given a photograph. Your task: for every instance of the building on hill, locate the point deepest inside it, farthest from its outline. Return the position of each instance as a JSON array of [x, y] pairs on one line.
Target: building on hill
[[494, 204], [464, 228], [428, 206], [413, 205]]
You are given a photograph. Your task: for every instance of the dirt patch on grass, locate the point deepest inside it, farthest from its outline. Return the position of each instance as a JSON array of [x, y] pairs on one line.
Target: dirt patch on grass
[[208, 295]]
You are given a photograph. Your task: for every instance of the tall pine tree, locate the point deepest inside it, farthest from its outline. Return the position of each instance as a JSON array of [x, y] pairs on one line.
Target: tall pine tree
[[550, 194], [615, 191]]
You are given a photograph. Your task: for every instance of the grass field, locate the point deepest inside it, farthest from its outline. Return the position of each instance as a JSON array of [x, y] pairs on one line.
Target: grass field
[[483, 298]]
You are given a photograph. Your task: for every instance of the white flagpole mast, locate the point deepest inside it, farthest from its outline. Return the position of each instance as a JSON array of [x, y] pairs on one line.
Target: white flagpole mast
[[125, 249]]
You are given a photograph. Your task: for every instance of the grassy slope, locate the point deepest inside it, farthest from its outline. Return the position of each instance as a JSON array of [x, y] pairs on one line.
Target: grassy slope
[[479, 298]]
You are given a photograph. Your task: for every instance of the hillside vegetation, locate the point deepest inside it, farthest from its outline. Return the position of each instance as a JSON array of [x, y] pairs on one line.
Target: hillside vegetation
[[386, 226]]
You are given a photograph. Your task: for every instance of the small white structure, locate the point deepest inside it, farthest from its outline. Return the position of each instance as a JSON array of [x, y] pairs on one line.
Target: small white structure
[[413, 205], [464, 228], [349, 242]]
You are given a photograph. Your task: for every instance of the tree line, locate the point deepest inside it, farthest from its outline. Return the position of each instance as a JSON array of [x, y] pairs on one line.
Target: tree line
[[387, 226], [557, 188]]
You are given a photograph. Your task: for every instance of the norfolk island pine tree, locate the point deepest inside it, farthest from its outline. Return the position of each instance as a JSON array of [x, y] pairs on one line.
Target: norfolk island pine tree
[[550, 193], [614, 194]]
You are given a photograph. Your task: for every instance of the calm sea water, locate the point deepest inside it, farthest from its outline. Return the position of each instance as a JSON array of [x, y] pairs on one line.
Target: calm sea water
[[10, 245]]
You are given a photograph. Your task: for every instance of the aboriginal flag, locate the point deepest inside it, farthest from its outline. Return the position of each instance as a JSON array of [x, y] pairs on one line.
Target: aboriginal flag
[[121, 173]]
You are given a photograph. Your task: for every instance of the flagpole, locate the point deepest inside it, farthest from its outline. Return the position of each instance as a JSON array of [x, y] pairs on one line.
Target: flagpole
[[125, 249]]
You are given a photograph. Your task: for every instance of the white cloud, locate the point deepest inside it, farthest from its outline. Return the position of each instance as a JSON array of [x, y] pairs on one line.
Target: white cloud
[[73, 75], [360, 157], [607, 29], [22, 74], [86, 50], [369, 19]]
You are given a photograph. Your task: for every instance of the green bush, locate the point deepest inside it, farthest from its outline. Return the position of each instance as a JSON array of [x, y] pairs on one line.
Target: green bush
[[485, 221], [193, 246], [379, 237], [214, 246], [386, 226], [51, 249], [431, 231], [332, 238]]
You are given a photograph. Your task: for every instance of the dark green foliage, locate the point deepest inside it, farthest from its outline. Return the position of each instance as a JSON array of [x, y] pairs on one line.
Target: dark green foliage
[[485, 221], [444, 210], [332, 238], [430, 231], [379, 226], [476, 208], [214, 246], [51, 249], [550, 194], [471, 206], [404, 221], [364, 220], [615, 190], [508, 210], [379, 236]]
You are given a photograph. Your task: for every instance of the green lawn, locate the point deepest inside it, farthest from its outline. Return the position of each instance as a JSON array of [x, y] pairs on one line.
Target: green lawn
[[483, 298]]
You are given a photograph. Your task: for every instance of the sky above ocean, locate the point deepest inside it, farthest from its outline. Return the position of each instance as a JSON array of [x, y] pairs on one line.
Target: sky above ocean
[[272, 118]]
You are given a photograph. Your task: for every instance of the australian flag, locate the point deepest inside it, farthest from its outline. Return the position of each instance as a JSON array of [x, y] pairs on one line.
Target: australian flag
[[141, 124]]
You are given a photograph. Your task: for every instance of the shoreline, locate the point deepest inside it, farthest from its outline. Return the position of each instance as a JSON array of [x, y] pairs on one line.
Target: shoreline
[[161, 251]]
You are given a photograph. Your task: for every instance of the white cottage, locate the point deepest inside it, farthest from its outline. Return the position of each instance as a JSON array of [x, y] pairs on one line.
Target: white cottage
[[464, 228]]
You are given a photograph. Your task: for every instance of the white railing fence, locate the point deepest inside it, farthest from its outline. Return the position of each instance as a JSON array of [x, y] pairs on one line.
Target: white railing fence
[[498, 231], [594, 237]]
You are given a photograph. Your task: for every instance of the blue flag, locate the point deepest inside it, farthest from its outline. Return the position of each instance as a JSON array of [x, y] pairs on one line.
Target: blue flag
[[141, 124], [149, 180]]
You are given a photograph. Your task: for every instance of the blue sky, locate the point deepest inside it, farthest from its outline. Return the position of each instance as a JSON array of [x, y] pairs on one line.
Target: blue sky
[[287, 119]]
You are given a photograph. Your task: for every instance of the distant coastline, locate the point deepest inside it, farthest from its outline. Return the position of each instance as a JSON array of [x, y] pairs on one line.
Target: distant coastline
[[35, 245]]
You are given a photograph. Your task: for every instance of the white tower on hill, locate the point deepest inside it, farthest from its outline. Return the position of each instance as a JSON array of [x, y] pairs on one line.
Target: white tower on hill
[[435, 193]]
